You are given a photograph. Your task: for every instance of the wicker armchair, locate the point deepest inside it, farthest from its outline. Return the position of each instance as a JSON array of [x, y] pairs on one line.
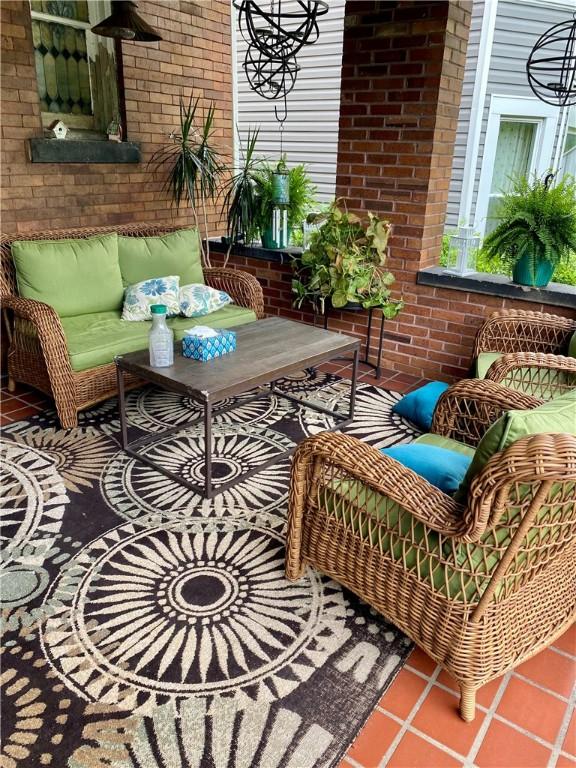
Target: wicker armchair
[[37, 352], [480, 586], [533, 347]]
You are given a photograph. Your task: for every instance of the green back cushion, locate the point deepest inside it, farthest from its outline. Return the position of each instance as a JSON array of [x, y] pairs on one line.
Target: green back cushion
[[484, 361], [558, 415], [76, 277], [572, 345], [176, 253]]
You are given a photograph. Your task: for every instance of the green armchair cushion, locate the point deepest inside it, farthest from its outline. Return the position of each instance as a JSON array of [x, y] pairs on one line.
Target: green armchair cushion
[[76, 277], [96, 339], [557, 415], [484, 361], [572, 345], [175, 253]]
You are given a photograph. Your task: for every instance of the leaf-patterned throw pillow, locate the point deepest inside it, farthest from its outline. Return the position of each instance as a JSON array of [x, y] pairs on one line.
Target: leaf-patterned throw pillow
[[138, 298], [197, 300]]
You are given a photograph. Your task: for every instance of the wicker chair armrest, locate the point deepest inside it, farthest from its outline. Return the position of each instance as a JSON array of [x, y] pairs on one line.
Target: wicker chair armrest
[[466, 409], [504, 365], [243, 287], [518, 330], [361, 462]]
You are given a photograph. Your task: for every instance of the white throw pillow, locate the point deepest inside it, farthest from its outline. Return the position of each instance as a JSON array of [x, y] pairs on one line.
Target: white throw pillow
[[138, 298], [197, 300]]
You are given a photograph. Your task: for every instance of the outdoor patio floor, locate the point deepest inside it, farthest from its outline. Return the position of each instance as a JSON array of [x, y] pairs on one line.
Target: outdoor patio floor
[[525, 719]]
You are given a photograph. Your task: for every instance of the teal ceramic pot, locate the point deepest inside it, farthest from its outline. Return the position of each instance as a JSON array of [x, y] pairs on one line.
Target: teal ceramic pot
[[523, 275]]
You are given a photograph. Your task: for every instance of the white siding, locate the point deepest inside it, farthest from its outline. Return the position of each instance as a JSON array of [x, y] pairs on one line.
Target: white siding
[[311, 130], [519, 23]]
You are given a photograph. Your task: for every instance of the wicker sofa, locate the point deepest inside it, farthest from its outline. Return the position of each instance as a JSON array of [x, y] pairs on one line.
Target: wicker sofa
[[480, 585], [38, 353], [527, 351]]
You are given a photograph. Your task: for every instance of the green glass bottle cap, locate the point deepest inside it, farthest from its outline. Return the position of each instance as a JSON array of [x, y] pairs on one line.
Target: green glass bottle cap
[[158, 309]]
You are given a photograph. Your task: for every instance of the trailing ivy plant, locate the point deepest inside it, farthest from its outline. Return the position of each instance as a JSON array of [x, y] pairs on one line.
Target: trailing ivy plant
[[537, 220], [192, 164], [346, 263]]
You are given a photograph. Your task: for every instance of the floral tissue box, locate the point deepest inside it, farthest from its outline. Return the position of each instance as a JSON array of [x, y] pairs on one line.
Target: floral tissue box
[[201, 345]]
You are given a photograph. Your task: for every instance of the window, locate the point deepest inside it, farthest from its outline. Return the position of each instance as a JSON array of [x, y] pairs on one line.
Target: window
[[75, 70], [519, 141], [568, 158]]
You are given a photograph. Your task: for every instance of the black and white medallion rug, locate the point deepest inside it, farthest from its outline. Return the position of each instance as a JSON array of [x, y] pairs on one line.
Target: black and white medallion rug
[[144, 627]]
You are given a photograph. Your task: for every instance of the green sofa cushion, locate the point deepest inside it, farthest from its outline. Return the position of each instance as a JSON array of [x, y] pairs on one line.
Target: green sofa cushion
[[572, 345], [557, 415], [96, 339], [484, 361], [76, 277], [445, 442], [176, 253]]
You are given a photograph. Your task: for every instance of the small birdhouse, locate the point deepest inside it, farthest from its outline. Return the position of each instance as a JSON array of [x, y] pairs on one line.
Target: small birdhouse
[[59, 129], [114, 130]]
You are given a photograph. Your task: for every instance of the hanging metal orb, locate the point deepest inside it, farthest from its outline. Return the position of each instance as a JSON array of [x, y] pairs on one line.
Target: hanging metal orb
[[270, 78], [551, 67], [276, 32]]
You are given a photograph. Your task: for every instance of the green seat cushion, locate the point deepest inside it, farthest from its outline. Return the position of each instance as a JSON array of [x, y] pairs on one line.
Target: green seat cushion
[[557, 415], [484, 361], [445, 442], [96, 339], [572, 345], [76, 277], [176, 253]]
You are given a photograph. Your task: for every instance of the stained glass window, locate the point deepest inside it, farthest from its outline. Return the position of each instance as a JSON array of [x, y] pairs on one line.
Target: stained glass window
[[76, 10]]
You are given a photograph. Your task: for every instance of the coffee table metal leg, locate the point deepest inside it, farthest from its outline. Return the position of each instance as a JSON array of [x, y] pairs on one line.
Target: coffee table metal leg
[[122, 406], [208, 450], [353, 387]]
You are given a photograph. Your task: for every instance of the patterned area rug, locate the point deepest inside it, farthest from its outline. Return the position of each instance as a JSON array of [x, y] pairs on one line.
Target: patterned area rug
[[147, 628]]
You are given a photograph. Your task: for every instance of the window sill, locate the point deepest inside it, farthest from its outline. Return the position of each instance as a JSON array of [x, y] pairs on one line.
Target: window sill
[[555, 294], [277, 256], [82, 151]]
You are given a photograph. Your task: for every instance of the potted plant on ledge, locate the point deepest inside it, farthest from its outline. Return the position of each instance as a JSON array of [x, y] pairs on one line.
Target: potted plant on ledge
[[345, 264], [536, 229]]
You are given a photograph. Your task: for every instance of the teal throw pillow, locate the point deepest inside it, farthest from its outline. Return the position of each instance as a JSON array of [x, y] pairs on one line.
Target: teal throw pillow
[[418, 406], [443, 468]]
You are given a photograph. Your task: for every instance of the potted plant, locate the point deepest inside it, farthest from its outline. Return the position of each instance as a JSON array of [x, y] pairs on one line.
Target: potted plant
[[301, 196], [345, 264], [192, 165], [536, 229], [241, 202]]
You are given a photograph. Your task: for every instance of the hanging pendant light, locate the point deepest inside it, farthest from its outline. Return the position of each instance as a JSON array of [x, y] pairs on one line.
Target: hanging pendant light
[[125, 24]]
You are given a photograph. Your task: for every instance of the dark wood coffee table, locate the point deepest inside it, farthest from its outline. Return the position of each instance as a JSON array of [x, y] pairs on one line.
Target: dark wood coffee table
[[266, 351]]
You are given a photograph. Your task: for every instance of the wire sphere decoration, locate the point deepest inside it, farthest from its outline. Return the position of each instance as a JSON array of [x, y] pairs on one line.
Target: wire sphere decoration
[[279, 33], [551, 66], [270, 78]]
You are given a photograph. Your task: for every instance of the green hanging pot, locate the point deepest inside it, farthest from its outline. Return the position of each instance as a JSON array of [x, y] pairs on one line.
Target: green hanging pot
[[523, 274]]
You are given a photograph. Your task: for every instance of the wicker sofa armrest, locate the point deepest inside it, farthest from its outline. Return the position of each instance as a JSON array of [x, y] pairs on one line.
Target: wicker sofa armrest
[[243, 287], [51, 336], [518, 330], [466, 409], [358, 461], [535, 373]]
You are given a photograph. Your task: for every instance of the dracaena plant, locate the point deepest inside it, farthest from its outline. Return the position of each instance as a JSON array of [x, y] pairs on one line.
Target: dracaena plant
[[192, 165], [346, 263], [536, 220]]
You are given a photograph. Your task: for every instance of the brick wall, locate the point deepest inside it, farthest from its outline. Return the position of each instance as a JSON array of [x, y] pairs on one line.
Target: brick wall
[[194, 55], [402, 73]]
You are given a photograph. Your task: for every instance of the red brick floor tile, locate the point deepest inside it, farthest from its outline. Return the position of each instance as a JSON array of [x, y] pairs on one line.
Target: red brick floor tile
[[532, 709], [8, 404], [570, 739], [565, 762], [567, 641], [504, 747], [420, 660], [403, 694], [24, 412], [552, 670], [373, 740], [438, 717], [415, 752]]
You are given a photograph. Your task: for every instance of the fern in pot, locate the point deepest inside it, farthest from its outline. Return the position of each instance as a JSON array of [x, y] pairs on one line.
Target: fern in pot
[[345, 264], [536, 229]]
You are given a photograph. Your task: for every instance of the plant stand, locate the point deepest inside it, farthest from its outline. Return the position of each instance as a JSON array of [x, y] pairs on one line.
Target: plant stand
[[360, 308]]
